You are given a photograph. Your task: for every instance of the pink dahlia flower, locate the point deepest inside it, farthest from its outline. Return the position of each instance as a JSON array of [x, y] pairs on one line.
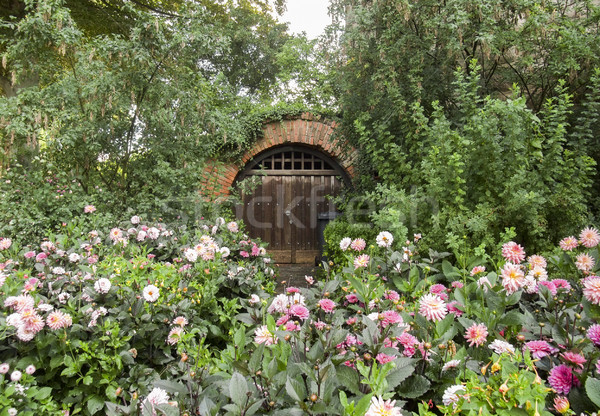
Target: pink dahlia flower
[[299, 311], [476, 334], [591, 289], [593, 333], [477, 270], [513, 278], [589, 237], [358, 244], [432, 307], [361, 261], [262, 335], [568, 243], [537, 261], [539, 349], [584, 262], [379, 407], [384, 358], [513, 252], [561, 379], [327, 305], [573, 359]]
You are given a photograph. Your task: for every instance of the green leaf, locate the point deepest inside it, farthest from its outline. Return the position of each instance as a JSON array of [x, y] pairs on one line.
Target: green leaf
[[399, 374], [348, 377], [363, 404], [238, 389], [43, 393], [413, 387], [295, 389], [592, 388], [256, 358], [171, 386], [94, 404]]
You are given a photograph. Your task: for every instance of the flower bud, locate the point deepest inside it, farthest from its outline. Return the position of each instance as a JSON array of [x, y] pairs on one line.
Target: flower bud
[[503, 389], [314, 397], [118, 391], [561, 405]]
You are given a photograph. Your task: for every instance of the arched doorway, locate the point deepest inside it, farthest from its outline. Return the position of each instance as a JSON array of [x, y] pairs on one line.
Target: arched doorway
[[284, 209]]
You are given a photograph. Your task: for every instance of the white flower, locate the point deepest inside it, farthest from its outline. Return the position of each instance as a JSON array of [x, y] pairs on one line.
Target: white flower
[[74, 257], [45, 307], [153, 233], [380, 407], [224, 252], [220, 221], [451, 394], [58, 270], [16, 375], [5, 243], [151, 293], [64, 297], [254, 299], [135, 220], [2, 279], [384, 239], [499, 346], [233, 227], [156, 396], [191, 254], [345, 243], [450, 364], [12, 411], [30, 369], [102, 285], [4, 367], [141, 236]]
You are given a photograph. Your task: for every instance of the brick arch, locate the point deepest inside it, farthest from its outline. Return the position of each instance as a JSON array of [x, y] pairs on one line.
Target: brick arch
[[306, 129]]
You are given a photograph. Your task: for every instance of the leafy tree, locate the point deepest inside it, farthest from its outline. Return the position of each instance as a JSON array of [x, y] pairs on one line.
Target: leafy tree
[[496, 144], [134, 113]]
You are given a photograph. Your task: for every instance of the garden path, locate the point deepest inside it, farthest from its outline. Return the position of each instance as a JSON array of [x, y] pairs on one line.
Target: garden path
[[293, 275]]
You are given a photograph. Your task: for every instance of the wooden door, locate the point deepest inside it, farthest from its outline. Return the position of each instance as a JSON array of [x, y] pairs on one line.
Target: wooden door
[[283, 210]]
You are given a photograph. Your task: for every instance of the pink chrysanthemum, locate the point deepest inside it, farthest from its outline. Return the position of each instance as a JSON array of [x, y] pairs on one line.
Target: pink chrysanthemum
[[561, 379], [432, 307], [591, 289], [391, 295], [379, 407], [352, 298], [539, 349], [537, 261], [174, 335], [262, 335], [384, 358], [390, 318], [408, 341], [361, 261], [457, 284], [5, 243], [584, 262], [476, 334], [593, 333], [477, 270], [327, 305], [513, 278], [358, 244], [550, 285], [437, 289], [561, 284], [513, 252], [454, 307], [57, 320], [299, 311], [180, 321], [568, 243], [589, 237], [573, 359]]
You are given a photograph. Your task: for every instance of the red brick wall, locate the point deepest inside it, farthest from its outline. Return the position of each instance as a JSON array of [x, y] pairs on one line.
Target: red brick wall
[[307, 129]]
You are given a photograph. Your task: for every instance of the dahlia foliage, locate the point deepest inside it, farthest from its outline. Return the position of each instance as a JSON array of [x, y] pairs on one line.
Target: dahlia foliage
[[146, 318]]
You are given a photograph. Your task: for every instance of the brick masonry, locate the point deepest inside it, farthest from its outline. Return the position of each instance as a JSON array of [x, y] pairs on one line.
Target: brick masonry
[[307, 129]]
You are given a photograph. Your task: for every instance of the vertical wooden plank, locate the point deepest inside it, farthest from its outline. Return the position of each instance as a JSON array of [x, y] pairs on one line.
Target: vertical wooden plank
[[289, 229], [277, 211], [267, 219]]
